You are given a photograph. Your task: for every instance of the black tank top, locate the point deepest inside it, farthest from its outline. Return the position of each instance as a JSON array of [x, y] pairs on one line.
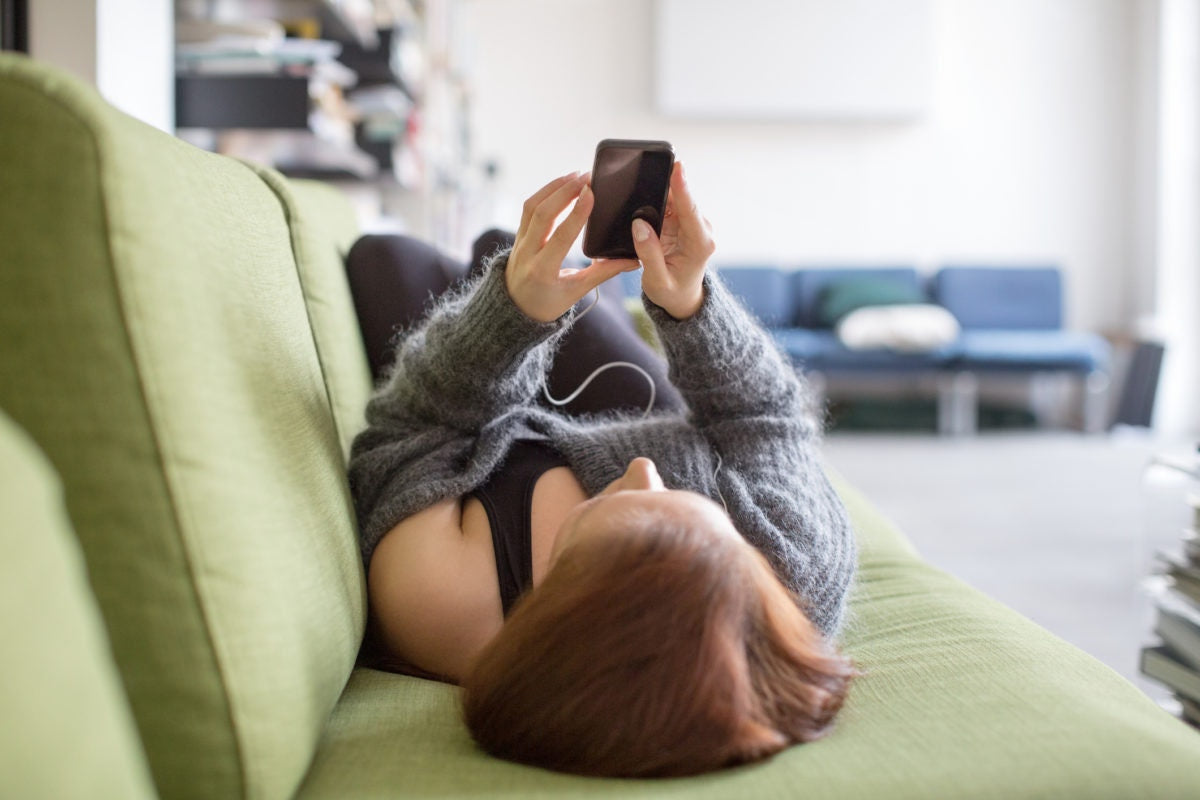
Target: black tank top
[[507, 497]]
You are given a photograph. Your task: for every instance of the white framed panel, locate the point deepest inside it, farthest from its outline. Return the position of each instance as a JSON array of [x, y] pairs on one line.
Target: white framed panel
[[794, 59]]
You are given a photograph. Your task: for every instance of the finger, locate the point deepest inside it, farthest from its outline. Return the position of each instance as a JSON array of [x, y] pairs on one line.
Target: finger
[[568, 231], [649, 250], [537, 197], [547, 211], [683, 204], [585, 280]]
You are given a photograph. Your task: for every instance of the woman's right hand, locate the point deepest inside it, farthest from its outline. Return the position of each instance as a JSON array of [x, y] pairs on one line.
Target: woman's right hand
[[536, 280], [673, 265]]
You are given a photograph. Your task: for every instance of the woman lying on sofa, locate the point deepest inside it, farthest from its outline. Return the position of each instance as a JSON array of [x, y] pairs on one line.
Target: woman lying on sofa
[[616, 595]]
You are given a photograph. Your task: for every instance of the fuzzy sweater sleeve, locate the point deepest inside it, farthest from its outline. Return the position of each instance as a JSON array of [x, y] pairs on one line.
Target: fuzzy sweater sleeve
[[476, 356], [748, 403], [436, 426]]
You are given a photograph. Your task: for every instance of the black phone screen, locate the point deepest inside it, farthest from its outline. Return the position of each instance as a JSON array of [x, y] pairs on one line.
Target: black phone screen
[[630, 180]]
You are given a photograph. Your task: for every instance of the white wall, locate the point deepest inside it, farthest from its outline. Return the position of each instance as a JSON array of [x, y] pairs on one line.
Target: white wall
[[1025, 154], [125, 48], [1177, 233], [851, 60]]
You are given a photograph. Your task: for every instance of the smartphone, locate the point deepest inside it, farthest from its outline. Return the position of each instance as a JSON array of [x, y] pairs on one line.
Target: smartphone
[[630, 178]]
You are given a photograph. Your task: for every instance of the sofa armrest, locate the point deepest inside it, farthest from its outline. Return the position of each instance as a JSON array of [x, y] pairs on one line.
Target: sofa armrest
[[68, 731]]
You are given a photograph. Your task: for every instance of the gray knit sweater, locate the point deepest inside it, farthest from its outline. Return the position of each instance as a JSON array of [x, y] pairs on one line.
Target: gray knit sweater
[[464, 386]]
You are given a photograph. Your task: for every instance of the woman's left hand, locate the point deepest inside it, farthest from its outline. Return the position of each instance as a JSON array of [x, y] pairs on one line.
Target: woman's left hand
[[537, 282]]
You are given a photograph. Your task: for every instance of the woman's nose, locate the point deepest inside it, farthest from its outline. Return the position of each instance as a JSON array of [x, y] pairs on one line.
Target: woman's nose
[[642, 474]]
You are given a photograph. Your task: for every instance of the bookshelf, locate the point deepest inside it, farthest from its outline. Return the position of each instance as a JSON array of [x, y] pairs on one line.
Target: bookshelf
[[364, 94]]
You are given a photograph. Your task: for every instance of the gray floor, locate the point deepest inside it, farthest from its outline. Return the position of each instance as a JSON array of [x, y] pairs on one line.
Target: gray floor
[[1060, 526]]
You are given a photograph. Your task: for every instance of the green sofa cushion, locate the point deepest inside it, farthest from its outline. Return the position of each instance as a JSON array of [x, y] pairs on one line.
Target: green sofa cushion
[[158, 349], [174, 344], [961, 697], [67, 731], [323, 228]]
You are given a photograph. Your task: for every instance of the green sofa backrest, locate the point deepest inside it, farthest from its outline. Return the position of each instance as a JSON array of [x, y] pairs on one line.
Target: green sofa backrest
[[67, 730], [323, 228], [159, 349]]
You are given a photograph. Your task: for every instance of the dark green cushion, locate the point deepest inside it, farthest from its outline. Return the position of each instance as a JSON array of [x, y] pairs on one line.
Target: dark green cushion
[[67, 731], [849, 294]]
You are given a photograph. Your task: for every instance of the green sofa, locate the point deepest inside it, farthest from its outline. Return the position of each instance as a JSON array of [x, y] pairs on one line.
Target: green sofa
[[180, 377]]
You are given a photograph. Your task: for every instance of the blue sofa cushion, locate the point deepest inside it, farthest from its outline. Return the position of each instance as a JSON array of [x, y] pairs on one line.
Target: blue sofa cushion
[[765, 291], [630, 283], [809, 286], [1033, 350], [820, 350], [1002, 298]]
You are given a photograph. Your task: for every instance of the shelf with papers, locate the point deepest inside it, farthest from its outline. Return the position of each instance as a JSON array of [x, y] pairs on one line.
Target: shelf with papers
[[1174, 660], [298, 85]]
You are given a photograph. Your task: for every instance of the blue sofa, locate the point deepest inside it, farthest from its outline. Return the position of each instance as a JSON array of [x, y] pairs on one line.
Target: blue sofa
[[1011, 321]]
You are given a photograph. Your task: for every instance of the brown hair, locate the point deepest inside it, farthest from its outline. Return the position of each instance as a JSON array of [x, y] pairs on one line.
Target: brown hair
[[658, 650]]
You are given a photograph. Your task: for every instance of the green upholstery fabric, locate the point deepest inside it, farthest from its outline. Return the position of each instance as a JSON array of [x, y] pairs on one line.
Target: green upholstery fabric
[[961, 697], [61, 697], [323, 228], [158, 349], [179, 341]]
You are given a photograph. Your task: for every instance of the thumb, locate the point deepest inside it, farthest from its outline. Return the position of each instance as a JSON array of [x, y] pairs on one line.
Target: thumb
[[598, 272], [649, 248]]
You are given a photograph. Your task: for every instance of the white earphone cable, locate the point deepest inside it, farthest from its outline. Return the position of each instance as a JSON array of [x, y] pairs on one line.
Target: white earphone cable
[[649, 405], [717, 485], [587, 381]]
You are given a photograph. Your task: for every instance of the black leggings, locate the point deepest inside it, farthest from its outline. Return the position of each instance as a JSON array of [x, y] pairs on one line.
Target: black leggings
[[395, 279]]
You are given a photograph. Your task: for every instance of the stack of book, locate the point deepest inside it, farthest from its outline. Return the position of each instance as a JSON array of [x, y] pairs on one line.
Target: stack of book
[[273, 98], [1175, 662]]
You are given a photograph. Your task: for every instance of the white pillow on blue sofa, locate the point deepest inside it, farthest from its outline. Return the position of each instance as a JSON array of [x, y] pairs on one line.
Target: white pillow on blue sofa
[[908, 328]]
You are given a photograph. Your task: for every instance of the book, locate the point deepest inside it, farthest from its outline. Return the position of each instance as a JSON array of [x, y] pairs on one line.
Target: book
[[1161, 665], [1188, 587], [1178, 620], [1190, 711], [1162, 590], [1191, 546], [1183, 574], [1181, 636], [1177, 564]]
